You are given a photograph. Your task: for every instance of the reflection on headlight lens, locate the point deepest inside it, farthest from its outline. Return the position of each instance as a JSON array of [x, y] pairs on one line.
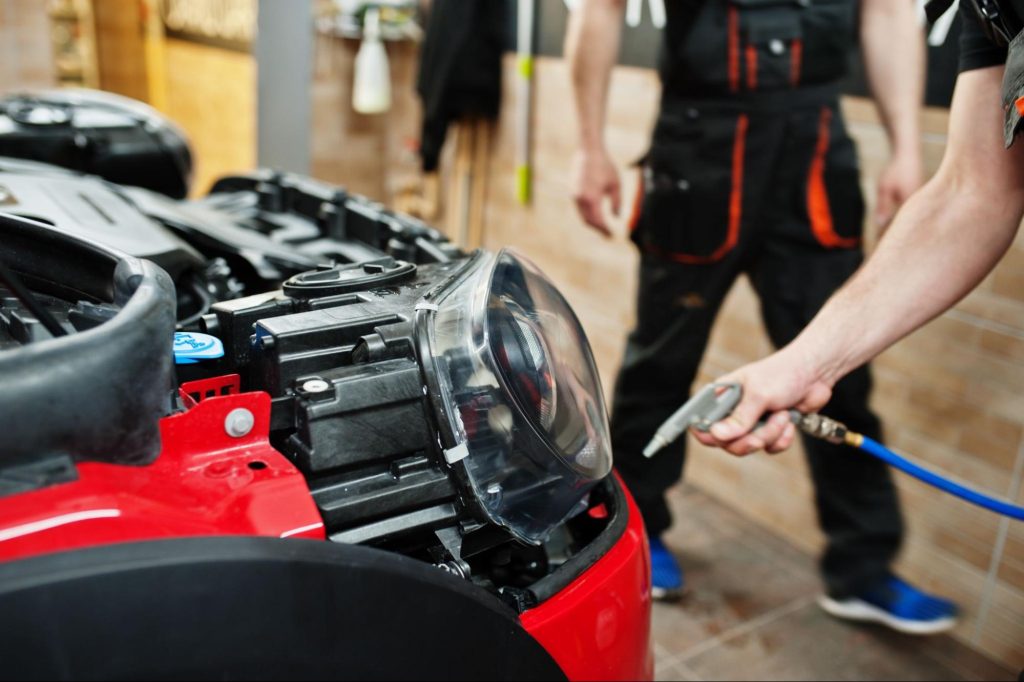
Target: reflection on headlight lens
[[523, 395]]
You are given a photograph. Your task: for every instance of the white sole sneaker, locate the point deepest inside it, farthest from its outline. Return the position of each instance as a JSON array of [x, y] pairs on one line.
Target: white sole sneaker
[[666, 594], [860, 610]]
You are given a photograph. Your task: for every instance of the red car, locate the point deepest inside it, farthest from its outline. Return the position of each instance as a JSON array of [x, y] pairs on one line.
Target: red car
[[281, 432]]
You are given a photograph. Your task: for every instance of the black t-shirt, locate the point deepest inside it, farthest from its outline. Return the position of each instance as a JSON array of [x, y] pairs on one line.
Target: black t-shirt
[[977, 51]]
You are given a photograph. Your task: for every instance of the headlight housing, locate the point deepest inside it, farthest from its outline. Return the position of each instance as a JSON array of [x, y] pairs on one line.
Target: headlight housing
[[520, 392]]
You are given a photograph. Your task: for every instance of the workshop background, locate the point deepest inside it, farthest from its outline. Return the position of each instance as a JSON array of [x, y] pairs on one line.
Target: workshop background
[[951, 394]]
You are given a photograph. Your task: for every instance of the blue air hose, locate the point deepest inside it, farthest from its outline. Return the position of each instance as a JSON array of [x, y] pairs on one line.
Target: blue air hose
[[715, 401], [876, 449], [826, 428]]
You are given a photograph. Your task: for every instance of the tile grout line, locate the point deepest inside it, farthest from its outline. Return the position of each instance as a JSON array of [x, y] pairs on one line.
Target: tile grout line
[[688, 673], [761, 547], [744, 628], [985, 323], [997, 551]]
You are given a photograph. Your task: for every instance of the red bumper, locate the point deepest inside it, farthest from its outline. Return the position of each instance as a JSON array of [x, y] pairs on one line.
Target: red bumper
[[206, 482], [598, 628]]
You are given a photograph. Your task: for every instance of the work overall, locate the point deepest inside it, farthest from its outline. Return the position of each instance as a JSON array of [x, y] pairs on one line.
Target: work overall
[[751, 171]]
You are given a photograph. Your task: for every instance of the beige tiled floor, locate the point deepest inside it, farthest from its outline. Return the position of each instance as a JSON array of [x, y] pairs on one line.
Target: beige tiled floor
[[751, 614]]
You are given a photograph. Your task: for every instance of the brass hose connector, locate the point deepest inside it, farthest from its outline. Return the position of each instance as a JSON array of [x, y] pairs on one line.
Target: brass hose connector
[[822, 427]]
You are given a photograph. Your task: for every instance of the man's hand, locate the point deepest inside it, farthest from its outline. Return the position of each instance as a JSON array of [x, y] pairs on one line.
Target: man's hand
[[594, 178], [893, 47], [770, 388], [900, 178], [591, 48]]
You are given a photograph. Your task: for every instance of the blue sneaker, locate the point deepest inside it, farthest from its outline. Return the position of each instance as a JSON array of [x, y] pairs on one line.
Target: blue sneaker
[[898, 605], [666, 576]]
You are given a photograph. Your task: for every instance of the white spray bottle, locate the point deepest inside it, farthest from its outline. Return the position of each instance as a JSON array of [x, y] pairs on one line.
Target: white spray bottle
[[371, 92]]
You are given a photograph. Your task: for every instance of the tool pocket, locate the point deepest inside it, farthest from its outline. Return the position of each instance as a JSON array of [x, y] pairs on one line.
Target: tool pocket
[[833, 200], [770, 44], [689, 211], [786, 43], [829, 36]]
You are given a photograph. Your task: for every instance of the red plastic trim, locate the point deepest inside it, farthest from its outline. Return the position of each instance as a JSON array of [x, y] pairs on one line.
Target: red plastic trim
[[599, 627], [205, 482]]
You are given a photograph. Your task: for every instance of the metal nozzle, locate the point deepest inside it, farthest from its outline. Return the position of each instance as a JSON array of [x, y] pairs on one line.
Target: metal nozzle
[[656, 444], [820, 426]]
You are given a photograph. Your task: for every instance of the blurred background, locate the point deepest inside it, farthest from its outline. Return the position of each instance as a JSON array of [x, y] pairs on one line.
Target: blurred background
[[293, 84]]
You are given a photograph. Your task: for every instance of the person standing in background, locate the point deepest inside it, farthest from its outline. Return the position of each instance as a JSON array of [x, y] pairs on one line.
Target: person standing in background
[[751, 171]]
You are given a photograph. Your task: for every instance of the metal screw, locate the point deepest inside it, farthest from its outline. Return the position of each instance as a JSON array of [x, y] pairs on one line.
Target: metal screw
[[776, 46], [458, 568], [239, 422], [315, 386]]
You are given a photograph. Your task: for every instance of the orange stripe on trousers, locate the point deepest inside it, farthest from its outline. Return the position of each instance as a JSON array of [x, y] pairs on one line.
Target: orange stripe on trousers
[[739, 150], [734, 49], [818, 209], [638, 201], [796, 57], [751, 67]]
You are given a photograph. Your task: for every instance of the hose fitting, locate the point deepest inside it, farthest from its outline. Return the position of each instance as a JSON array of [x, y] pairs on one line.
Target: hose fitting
[[822, 427]]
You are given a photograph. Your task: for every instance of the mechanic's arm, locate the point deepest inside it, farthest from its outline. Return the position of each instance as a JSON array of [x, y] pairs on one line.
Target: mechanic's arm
[[592, 48], [943, 242], [892, 43]]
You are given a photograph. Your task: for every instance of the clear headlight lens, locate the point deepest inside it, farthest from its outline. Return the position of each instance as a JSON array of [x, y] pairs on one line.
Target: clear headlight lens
[[522, 394]]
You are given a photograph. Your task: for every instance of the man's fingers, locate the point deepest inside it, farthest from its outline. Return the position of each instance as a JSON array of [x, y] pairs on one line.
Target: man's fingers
[[615, 194], [741, 421], [886, 206], [747, 445], [784, 441], [761, 437], [772, 430], [705, 438], [590, 211]]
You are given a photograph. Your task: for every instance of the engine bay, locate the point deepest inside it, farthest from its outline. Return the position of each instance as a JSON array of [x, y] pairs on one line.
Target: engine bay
[[440, 405]]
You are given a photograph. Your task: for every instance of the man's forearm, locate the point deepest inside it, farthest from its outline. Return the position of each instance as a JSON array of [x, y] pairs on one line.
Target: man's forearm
[[894, 58], [941, 245], [592, 48], [933, 255]]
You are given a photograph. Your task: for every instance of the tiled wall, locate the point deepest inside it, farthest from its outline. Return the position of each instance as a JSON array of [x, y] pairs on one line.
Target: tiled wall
[[120, 47], [26, 58], [951, 394], [211, 94], [370, 155]]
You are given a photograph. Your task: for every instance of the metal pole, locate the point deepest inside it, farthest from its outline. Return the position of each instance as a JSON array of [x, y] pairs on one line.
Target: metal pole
[[284, 64]]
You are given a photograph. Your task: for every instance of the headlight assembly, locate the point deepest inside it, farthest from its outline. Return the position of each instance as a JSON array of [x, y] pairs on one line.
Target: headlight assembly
[[519, 393]]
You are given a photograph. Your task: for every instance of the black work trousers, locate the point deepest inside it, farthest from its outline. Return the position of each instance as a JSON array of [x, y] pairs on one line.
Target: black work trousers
[[772, 193]]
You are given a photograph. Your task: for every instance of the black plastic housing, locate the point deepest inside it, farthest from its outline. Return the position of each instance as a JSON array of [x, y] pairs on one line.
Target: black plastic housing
[[96, 393], [100, 133], [349, 403]]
